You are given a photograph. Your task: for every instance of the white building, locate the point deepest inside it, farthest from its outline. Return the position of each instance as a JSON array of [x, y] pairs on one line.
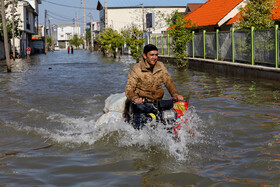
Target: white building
[[28, 11], [122, 17], [65, 32], [95, 29]]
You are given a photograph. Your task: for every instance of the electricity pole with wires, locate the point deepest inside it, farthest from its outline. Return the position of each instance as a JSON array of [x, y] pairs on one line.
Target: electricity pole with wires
[[78, 22], [85, 42], [106, 14], [45, 33], [91, 33], [50, 33]]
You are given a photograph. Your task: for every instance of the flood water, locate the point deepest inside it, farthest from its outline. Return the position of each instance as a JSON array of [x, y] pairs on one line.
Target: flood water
[[49, 137]]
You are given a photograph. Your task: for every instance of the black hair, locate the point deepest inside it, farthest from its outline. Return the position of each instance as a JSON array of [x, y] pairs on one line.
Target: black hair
[[149, 47]]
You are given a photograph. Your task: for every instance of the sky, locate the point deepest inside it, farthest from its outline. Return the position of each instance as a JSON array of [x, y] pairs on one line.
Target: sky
[[64, 11]]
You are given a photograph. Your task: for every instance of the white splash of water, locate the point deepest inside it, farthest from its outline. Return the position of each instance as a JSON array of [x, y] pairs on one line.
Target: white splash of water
[[177, 146], [71, 131]]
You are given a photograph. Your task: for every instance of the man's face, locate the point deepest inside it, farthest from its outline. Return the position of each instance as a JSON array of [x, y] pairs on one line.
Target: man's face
[[151, 57]]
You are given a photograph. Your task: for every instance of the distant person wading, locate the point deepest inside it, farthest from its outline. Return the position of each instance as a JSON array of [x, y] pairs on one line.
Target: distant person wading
[[28, 51]]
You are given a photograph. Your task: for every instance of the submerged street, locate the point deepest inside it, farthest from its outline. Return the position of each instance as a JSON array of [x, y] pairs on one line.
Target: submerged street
[[50, 105]]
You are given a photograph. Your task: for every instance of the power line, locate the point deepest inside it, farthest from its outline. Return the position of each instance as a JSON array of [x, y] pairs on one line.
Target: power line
[[51, 13], [69, 6], [60, 17]]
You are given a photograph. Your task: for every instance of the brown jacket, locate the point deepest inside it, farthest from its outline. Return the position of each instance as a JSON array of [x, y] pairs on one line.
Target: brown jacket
[[144, 83]]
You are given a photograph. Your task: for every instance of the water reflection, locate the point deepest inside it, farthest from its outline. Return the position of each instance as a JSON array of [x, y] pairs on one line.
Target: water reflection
[[252, 92]]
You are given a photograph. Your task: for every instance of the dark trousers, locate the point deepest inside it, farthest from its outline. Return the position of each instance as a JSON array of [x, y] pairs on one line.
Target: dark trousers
[[140, 112]]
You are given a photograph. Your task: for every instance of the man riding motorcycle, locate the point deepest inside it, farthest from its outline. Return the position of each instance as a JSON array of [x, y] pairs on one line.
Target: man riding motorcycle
[[145, 82]]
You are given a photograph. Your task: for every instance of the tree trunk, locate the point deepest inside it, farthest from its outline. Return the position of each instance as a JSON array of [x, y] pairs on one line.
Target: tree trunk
[[45, 33], [13, 30], [6, 44]]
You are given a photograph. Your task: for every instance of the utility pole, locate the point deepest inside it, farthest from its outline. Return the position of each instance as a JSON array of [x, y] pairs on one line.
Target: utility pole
[[50, 33], [143, 17], [74, 20], [91, 32], [52, 37], [45, 33], [13, 30], [78, 22], [6, 45], [106, 14], [85, 42], [76, 25]]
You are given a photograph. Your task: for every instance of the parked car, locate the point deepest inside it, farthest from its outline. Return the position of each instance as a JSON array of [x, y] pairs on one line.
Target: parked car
[[56, 48]]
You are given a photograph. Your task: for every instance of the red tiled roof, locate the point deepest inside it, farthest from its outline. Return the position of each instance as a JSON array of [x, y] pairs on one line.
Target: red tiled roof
[[277, 11], [275, 16], [212, 12]]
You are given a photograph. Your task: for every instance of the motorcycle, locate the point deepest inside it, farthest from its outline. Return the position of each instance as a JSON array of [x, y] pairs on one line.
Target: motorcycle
[[169, 113]]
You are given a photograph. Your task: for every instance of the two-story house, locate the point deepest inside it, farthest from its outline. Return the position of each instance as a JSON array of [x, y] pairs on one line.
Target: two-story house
[[94, 26], [119, 18], [222, 15], [28, 12], [65, 32]]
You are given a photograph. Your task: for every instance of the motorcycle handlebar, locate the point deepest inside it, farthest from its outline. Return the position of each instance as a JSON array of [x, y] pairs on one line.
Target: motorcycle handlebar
[[146, 101], [175, 99]]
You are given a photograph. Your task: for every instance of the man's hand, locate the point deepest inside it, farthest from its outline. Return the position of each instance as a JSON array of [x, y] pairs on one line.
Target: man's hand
[[138, 100], [180, 98]]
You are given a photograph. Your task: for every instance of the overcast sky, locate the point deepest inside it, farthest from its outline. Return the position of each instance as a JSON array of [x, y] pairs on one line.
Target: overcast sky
[[64, 11]]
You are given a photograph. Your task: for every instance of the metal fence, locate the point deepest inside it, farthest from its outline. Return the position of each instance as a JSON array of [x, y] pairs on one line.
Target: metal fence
[[259, 47]]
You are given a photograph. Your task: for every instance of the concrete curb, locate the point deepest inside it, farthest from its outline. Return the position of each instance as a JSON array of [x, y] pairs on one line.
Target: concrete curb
[[229, 68]]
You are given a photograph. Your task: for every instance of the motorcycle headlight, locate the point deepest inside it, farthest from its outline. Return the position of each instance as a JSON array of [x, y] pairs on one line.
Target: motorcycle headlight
[[169, 114]]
